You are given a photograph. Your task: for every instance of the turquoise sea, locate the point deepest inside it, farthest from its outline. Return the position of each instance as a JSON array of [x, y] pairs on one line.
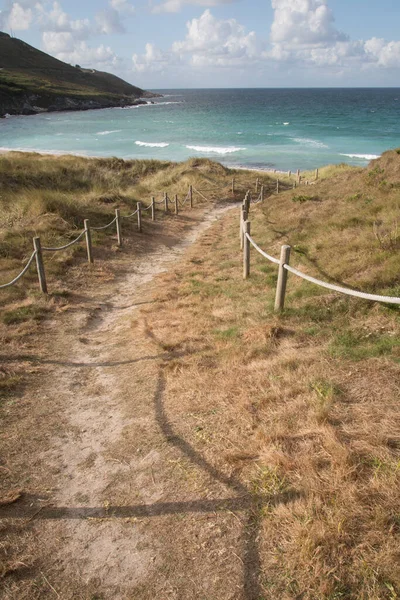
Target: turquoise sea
[[258, 128]]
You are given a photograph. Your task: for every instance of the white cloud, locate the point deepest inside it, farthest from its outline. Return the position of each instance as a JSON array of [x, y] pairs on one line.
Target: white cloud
[[386, 54], [215, 42], [304, 33], [19, 17], [174, 6], [122, 6], [303, 22], [58, 20], [108, 22], [64, 46], [153, 60]]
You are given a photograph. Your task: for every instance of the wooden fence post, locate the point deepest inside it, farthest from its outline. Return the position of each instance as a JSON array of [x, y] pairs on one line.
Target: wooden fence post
[[316, 174], [240, 225], [298, 173], [262, 193], [247, 202], [233, 185], [277, 186], [118, 224], [289, 173], [243, 219], [191, 196], [40, 265], [282, 279], [257, 181], [153, 208], [165, 201], [176, 204], [246, 250], [139, 217], [88, 237]]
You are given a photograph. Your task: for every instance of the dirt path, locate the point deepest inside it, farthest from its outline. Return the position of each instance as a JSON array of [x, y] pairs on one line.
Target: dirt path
[[132, 511]]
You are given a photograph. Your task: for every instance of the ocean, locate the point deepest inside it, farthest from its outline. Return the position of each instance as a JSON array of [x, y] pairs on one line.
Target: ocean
[[254, 128]]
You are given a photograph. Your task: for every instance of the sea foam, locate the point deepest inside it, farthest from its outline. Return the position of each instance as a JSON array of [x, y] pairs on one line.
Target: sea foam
[[363, 156], [108, 132], [310, 142], [152, 144], [215, 149]]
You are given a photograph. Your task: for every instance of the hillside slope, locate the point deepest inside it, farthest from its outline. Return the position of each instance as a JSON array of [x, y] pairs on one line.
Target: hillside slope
[[31, 81]]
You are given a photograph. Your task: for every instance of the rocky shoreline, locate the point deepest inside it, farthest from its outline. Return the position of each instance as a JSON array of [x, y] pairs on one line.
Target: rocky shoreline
[[33, 104]]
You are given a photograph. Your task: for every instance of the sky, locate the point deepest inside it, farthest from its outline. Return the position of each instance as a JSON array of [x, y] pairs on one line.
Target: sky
[[159, 44]]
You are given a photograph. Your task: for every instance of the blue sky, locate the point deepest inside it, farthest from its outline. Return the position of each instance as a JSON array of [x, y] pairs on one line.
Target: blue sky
[[218, 43]]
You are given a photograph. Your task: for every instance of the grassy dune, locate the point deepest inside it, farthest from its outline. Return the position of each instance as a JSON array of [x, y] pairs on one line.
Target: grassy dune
[[50, 196], [303, 408]]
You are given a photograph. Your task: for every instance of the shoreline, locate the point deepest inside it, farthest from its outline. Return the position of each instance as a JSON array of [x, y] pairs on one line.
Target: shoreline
[[60, 153]]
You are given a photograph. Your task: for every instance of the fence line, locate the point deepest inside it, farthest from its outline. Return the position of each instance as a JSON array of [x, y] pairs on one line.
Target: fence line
[[117, 221], [285, 268], [37, 254]]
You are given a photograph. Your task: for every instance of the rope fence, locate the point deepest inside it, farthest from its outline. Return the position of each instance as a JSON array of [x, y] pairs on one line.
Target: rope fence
[[75, 241], [246, 241], [18, 277], [105, 226], [86, 233]]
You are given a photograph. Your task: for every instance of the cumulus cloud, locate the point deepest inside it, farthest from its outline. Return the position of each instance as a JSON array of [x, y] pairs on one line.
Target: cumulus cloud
[[386, 54], [64, 46], [304, 33], [66, 38], [18, 17], [174, 6], [122, 6], [153, 60], [56, 20], [108, 21], [303, 22], [214, 42]]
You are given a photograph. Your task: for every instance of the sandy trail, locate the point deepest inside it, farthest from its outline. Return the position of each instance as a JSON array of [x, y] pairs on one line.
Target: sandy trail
[[130, 515]]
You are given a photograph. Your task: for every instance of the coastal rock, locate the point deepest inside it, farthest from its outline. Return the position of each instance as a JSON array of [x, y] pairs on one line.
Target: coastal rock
[[33, 104]]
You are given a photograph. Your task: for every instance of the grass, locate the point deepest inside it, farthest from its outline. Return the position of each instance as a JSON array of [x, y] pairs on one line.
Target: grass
[[311, 394], [26, 71], [301, 408], [50, 196]]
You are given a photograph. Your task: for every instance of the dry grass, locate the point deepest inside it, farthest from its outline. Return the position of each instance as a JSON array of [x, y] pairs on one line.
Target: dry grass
[[49, 196], [301, 408]]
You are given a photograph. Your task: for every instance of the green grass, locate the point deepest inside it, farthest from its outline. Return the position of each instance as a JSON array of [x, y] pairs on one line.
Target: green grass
[[22, 314], [227, 334], [361, 345]]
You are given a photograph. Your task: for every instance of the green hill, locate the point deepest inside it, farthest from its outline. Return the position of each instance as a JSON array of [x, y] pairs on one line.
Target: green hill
[[31, 81]]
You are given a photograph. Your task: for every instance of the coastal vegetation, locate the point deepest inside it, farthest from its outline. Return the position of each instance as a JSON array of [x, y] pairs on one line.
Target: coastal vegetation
[[297, 411], [302, 408]]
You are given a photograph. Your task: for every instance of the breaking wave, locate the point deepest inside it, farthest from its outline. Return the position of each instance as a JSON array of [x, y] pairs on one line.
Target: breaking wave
[[362, 156], [152, 144], [215, 149]]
